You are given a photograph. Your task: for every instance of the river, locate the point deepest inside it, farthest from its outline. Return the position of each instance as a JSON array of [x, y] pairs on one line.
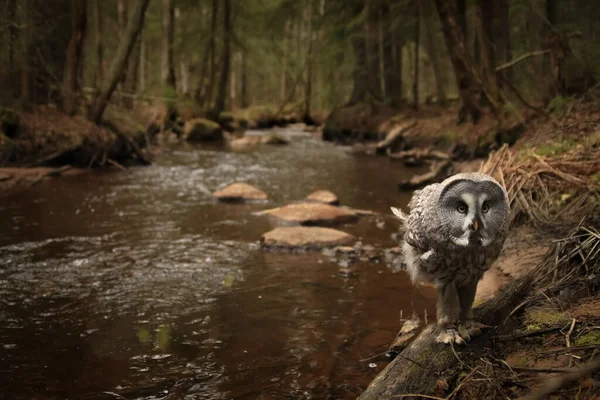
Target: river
[[138, 285]]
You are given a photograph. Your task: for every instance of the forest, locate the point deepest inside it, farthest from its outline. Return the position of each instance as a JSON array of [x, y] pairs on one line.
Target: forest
[[195, 196]]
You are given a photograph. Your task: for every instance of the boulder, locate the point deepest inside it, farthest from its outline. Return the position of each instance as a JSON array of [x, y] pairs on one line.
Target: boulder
[[239, 192], [200, 129], [312, 214], [244, 143], [274, 139], [323, 196], [306, 238]]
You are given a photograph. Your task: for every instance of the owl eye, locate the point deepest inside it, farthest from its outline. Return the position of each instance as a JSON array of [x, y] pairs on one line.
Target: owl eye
[[485, 207], [462, 208]]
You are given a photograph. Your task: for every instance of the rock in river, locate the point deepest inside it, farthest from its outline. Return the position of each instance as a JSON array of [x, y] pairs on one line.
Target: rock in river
[[240, 192], [306, 238], [312, 214], [323, 196], [200, 129]]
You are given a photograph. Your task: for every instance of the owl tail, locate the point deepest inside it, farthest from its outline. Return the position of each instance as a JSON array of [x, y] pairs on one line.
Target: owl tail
[[398, 213]]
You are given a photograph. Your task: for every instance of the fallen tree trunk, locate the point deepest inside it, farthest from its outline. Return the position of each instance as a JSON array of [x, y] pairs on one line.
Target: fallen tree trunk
[[437, 172], [425, 367], [416, 157], [395, 136]]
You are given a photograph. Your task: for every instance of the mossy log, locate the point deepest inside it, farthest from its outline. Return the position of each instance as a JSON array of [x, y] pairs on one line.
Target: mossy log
[[426, 367]]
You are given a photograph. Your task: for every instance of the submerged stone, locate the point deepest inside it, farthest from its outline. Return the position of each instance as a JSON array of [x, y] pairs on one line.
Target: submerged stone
[[305, 238], [323, 196], [312, 214], [240, 192]]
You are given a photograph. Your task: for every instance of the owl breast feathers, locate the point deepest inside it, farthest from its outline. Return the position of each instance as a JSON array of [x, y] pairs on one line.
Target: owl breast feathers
[[455, 229]]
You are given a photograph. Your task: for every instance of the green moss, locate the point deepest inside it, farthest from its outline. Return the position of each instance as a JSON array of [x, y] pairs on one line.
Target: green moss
[[556, 148], [398, 118], [537, 319], [447, 139], [123, 121], [200, 129], [257, 113], [559, 105], [588, 339], [226, 117], [10, 122]]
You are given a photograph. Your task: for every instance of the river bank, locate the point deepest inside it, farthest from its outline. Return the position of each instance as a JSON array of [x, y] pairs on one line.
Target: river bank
[[134, 226]]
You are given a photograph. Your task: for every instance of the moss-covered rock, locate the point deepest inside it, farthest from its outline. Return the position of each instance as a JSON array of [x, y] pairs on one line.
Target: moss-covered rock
[[200, 129], [10, 122], [6, 149], [226, 117]]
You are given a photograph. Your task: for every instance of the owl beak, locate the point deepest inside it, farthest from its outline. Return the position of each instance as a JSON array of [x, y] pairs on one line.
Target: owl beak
[[475, 225]]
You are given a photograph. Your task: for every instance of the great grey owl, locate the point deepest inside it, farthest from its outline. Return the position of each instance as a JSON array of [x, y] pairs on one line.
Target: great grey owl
[[453, 233]]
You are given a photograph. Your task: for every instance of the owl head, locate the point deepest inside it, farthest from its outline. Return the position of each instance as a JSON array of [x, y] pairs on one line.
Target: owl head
[[473, 209]]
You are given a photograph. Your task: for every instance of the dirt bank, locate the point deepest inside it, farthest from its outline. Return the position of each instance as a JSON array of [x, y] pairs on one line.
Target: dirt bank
[[48, 137]]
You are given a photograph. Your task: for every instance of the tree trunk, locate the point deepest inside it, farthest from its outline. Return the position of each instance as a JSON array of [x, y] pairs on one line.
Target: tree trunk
[[284, 63], [131, 77], [219, 106], [13, 33], [232, 82], [373, 65], [309, 68], [503, 40], [74, 54], [134, 27], [98, 47], [558, 50], [244, 82], [390, 71], [168, 69], [417, 46], [440, 82], [380, 57], [25, 76], [142, 71], [360, 72], [213, 49], [184, 87], [461, 7], [466, 76], [360, 76], [487, 29]]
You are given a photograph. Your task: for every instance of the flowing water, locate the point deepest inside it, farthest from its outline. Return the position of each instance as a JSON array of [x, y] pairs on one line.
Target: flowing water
[[138, 285]]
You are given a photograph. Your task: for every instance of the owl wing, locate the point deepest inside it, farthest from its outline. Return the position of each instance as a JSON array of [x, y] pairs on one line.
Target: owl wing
[[422, 219]]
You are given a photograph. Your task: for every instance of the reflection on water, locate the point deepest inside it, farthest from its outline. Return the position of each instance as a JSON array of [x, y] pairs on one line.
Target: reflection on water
[[139, 285]]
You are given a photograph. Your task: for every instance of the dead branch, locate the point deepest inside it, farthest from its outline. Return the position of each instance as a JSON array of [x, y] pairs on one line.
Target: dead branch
[[418, 156], [521, 98], [395, 135], [53, 173], [437, 171], [559, 382], [521, 58], [116, 164]]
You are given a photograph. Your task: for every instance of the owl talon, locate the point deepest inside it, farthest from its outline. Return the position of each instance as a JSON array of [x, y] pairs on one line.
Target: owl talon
[[450, 336], [469, 330]]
